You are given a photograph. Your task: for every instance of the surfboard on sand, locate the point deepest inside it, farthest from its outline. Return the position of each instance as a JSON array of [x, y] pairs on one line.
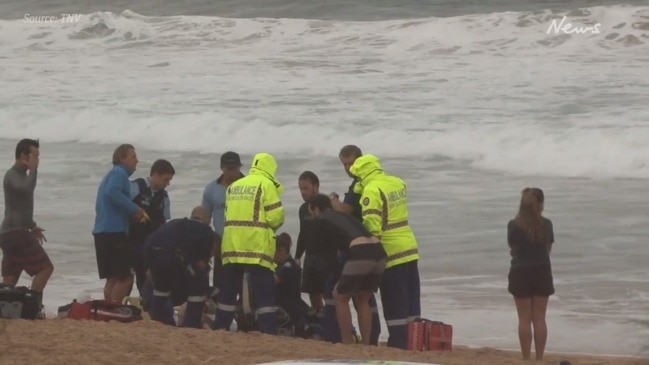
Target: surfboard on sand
[[344, 362]]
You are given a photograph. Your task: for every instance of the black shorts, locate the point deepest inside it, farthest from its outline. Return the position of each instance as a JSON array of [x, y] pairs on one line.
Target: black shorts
[[534, 281], [114, 255], [363, 270], [315, 272]]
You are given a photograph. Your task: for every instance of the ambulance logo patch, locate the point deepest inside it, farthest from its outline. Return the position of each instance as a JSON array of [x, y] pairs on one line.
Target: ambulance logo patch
[[366, 201]]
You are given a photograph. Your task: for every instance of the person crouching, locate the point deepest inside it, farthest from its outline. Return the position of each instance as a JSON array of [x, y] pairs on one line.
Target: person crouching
[[287, 279], [177, 257]]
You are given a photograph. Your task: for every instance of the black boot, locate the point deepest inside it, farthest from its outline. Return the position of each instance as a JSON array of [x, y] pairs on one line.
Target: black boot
[[38, 296]]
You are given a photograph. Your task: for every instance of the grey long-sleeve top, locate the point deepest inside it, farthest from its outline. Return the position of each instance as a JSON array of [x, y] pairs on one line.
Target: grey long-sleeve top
[[19, 199]]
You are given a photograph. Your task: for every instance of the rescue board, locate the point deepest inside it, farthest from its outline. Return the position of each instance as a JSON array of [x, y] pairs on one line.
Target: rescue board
[[345, 362]]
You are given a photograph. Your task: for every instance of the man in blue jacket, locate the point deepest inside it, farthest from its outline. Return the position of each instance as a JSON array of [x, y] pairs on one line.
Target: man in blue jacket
[[114, 210]]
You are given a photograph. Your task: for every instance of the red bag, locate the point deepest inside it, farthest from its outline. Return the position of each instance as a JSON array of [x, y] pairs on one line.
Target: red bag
[[101, 310], [427, 335]]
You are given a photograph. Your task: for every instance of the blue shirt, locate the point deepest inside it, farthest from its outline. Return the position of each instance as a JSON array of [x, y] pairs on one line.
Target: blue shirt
[[113, 206], [135, 190], [289, 295], [214, 203]]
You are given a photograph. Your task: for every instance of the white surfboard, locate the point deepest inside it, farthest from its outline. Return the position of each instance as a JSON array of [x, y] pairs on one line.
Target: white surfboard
[[345, 362]]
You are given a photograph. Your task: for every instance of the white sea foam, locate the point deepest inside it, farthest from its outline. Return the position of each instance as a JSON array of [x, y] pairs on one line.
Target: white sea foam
[[494, 90]]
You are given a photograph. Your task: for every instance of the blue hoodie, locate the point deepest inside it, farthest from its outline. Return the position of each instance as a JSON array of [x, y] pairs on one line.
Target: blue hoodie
[[114, 207]]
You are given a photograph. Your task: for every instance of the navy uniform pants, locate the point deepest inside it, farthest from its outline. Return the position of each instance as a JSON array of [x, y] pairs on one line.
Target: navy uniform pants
[[174, 285], [329, 324], [400, 296], [262, 281]]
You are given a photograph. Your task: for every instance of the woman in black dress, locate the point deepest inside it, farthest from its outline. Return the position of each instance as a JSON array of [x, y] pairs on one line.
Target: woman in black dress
[[530, 237]]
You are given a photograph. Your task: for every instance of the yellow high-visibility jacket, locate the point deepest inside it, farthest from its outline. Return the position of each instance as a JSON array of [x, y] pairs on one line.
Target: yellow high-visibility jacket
[[384, 205], [253, 212]]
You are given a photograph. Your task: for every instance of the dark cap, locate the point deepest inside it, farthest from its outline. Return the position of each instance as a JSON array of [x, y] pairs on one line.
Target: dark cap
[[230, 159]]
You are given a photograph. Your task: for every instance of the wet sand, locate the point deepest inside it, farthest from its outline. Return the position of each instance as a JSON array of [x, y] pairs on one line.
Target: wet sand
[[65, 341]]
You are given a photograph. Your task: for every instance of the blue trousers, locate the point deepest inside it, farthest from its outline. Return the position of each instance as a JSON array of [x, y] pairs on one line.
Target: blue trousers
[[262, 281], [168, 288], [329, 324], [400, 296]]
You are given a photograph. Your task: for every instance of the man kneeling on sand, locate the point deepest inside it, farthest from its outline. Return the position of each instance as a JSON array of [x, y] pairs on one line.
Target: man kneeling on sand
[[177, 258]]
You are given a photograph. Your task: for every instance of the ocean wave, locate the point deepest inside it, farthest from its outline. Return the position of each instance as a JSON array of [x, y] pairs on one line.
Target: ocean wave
[[517, 149], [604, 28]]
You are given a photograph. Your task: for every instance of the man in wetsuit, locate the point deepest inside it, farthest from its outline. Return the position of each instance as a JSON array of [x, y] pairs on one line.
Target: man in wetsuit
[[316, 266], [177, 257], [363, 268], [351, 205], [21, 239]]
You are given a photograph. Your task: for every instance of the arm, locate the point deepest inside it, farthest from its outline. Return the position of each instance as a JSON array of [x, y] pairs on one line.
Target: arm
[[550, 233], [302, 236], [273, 206], [207, 202], [114, 193], [510, 234], [20, 184], [167, 208], [342, 207], [351, 200], [510, 238], [372, 208], [282, 272]]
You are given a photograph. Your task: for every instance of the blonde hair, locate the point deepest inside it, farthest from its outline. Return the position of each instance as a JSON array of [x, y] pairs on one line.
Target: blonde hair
[[529, 217]]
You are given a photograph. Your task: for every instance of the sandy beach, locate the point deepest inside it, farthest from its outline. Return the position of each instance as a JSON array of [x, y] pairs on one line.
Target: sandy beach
[[65, 341]]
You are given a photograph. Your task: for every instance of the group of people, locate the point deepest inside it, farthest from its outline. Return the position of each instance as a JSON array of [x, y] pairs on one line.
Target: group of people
[[346, 250]]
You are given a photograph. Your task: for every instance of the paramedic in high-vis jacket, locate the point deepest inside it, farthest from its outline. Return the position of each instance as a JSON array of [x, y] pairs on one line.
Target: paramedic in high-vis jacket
[[384, 206], [253, 213]]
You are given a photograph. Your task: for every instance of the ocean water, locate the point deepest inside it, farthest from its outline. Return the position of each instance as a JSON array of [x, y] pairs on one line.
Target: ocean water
[[468, 102]]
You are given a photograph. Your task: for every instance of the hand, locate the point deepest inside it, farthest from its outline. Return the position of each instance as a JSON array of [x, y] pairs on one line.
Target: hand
[[38, 233], [298, 262], [335, 202], [140, 216], [145, 218], [32, 161], [334, 196]]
